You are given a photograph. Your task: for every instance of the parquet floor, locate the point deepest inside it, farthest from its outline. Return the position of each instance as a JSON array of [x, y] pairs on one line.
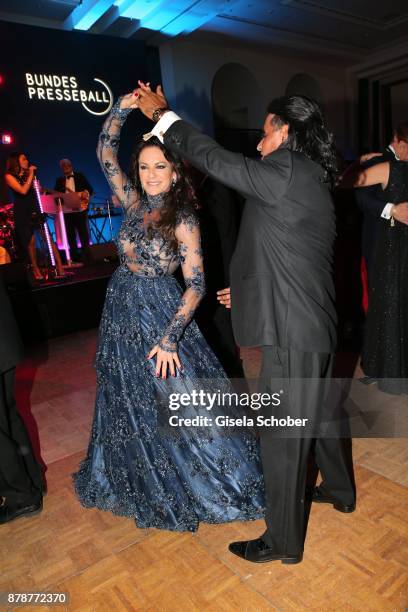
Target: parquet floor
[[352, 562]]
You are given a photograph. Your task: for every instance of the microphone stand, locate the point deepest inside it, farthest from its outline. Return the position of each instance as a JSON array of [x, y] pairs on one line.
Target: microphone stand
[[46, 231], [110, 218]]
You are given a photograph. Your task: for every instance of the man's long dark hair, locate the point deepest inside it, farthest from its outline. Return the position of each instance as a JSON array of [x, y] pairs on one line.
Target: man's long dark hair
[[180, 198], [308, 133]]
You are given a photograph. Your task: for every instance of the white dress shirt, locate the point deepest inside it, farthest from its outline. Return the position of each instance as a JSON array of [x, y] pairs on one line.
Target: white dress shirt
[[162, 126], [70, 184]]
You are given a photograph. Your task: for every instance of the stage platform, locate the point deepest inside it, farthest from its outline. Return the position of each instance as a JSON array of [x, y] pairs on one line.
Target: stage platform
[[48, 309]]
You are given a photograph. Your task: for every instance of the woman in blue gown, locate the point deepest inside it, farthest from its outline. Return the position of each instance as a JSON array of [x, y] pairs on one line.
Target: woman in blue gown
[[137, 465]]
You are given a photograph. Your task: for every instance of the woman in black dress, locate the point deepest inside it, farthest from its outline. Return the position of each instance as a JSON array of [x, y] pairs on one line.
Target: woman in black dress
[[19, 177], [385, 350]]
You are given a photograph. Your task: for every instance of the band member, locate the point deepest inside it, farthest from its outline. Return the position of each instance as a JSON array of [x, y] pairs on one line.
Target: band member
[[19, 177], [76, 222]]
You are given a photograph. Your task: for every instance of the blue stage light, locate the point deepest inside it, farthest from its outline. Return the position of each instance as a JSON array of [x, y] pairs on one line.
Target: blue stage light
[[199, 14], [162, 16], [138, 9], [86, 14]]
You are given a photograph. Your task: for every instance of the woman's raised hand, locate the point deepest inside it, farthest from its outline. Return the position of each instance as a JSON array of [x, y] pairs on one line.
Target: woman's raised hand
[[165, 360], [130, 100]]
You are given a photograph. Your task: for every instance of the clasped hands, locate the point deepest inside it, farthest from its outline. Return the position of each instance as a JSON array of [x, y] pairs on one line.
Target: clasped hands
[[146, 100]]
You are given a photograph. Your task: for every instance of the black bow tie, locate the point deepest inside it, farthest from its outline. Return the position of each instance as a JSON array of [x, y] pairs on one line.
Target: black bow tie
[[69, 176]]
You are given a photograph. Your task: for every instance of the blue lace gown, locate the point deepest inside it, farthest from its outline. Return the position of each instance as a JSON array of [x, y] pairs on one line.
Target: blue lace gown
[[137, 465]]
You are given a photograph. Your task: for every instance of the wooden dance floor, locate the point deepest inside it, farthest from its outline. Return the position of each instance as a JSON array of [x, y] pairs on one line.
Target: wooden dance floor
[[352, 562]]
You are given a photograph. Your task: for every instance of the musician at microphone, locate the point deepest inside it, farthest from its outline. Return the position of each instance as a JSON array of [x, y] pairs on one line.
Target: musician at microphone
[[76, 222], [19, 177]]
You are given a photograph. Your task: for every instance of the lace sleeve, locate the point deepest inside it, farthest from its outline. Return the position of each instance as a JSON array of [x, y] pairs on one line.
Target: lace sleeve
[[188, 236], [107, 153]]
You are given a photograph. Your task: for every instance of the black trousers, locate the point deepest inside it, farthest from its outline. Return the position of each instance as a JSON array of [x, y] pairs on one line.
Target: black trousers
[[20, 473], [304, 379], [78, 223]]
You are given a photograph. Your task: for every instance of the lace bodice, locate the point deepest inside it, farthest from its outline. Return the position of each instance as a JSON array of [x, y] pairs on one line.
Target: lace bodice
[[141, 246]]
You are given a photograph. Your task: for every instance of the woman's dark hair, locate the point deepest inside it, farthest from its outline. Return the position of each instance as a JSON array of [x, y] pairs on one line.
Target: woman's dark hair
[[180, 198], [307, 133], [401, 131], [13, 164]]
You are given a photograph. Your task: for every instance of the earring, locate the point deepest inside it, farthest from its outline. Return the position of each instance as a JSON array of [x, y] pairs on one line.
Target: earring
[[173, 182]]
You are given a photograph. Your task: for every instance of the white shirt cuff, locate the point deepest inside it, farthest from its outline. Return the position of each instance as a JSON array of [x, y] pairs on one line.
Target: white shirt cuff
[[386, 213], [162, 126]]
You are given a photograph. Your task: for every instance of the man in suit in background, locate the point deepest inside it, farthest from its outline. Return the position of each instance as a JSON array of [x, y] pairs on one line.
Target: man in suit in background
[[77, 221], [21, 484], [282, 298], [373, 207]]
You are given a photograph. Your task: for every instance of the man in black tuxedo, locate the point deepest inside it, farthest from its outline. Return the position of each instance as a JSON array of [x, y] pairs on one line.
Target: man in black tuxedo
[[282, 296], [77, 221], [21, 485], [373, 207]]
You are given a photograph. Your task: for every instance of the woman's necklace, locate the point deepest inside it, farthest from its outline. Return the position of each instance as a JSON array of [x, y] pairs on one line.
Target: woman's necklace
[[153, 204]]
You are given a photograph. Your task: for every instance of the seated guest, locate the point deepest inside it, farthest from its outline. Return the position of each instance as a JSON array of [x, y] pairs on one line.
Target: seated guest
[[21, 485], [76, 222]]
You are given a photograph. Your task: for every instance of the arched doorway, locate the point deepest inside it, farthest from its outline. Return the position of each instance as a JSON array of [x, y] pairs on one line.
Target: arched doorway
[[235, 101], [303, 84]]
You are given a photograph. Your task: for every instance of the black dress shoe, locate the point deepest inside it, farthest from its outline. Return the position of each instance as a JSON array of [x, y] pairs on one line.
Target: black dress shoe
[[259, 552], [10, 513], [320, 497]]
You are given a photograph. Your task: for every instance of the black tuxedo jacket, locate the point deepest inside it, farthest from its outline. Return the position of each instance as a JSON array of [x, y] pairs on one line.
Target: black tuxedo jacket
[[81, 183], [11, 348], [281, 271], [371, 204]]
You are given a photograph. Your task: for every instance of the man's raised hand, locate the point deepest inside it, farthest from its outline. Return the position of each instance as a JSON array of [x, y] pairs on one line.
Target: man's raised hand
[[148, 101]]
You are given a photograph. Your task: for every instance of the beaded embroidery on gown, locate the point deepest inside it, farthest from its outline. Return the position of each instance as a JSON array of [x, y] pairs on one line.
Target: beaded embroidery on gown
[[135, 466], [385, 350]]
